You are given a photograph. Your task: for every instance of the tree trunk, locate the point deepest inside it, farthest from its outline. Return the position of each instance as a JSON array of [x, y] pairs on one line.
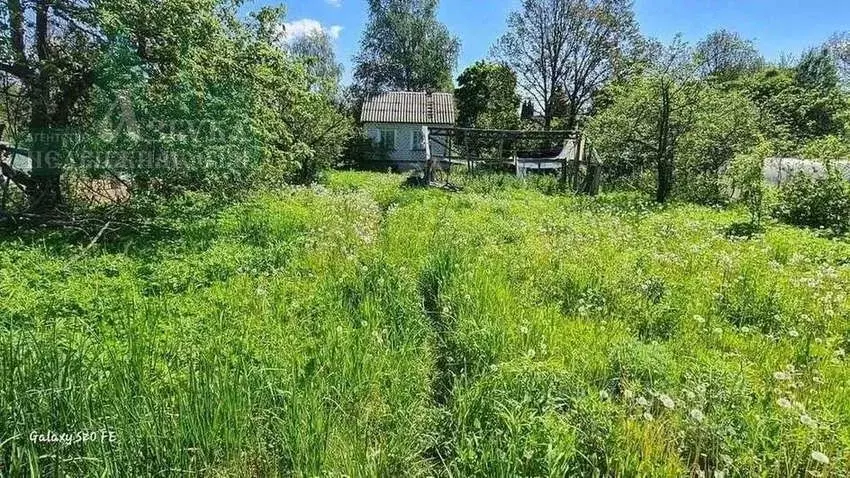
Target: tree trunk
[[44, 192], [664, 159], [665, 180]]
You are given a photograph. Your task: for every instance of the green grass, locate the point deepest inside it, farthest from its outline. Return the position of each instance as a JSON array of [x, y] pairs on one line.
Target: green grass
[[360, 328]]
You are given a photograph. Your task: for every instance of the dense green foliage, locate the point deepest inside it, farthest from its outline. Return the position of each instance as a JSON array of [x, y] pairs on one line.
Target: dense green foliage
[[676, 121], [360, 328], [173, 95], [725, 56], [818, 202], [316, 51], [798, 105], [665, 119], [404, 47], [486, 97]]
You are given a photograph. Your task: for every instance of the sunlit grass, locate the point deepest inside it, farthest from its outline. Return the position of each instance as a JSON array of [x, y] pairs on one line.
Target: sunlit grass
[[361, 328]]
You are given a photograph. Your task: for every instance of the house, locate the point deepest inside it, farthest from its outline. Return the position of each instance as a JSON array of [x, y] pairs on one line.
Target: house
[[395, 120]]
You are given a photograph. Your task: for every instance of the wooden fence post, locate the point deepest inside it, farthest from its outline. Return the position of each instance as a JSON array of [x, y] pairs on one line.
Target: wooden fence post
[[429, 162]]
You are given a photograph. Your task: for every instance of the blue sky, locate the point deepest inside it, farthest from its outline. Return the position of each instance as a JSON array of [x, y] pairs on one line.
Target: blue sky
[[776, 26]]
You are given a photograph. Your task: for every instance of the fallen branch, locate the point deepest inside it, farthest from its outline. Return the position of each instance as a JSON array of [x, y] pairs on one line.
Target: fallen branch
[[97, 237]]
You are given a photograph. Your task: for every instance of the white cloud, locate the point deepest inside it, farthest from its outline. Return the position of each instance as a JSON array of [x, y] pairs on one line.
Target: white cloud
[[334, 31], [308, 26], [334, 3]]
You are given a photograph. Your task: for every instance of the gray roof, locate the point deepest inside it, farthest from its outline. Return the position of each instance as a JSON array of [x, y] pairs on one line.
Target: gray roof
[[409, 107]]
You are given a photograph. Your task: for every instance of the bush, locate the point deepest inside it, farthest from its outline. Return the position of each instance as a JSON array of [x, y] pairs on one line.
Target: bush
[[810, 201], [826, 147], [746, 180], [360, 150]]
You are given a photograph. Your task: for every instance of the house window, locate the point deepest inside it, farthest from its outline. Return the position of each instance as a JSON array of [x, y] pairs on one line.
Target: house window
[[416, 143], [387, 139]]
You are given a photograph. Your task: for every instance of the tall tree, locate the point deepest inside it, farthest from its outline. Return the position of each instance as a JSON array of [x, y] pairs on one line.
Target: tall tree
[[798, 104], [839, 46], [567, 46], [652, 112], [817, 69], [534, 46], [53, 49], [405, 47], [487, 97], [602, 37], [316, 51], [726, 56]]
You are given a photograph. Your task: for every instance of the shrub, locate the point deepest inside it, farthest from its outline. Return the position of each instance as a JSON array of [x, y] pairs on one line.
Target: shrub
[[826, 147], [746, 180], [810, 201], [361, 151]]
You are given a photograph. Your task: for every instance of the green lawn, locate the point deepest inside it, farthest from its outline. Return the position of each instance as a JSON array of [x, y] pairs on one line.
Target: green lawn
[[359, 328]]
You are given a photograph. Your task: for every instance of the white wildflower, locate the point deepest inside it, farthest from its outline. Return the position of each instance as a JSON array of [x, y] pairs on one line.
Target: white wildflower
[[784, 403], [667, 401], [699, 319], [647, 416], [718, 330], [820, 457], [745, 329], [628, 394], [808, 421], [697, 415], [719, 474], [642, 402], [691, 395], [781, 376], [603, 395], [793, 333]]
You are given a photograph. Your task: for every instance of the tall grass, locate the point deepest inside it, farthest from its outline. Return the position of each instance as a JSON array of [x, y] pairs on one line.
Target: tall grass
[[364, 329]]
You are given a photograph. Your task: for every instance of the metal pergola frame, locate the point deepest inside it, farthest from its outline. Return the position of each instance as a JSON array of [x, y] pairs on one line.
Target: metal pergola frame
[[462, 147]]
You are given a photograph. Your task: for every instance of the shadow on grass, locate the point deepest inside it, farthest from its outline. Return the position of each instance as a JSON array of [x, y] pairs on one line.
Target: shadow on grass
[[138, 229]]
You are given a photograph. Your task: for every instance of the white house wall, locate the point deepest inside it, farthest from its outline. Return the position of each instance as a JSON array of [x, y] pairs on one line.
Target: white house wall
[[404, 154]]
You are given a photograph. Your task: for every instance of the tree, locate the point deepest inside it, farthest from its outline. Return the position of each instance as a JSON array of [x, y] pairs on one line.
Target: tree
[[54, 51], [839, 47], [602, 35], [817, 70], [316, 51], [534, 47], [404, 47], [725, 56], [651, 113], [487, 98], [527, 112], [180, 94], [798, 104], [569, 46], [725, 126]]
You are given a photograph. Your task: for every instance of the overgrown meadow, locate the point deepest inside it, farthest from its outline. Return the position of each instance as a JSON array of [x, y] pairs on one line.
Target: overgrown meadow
[[361, 328]]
